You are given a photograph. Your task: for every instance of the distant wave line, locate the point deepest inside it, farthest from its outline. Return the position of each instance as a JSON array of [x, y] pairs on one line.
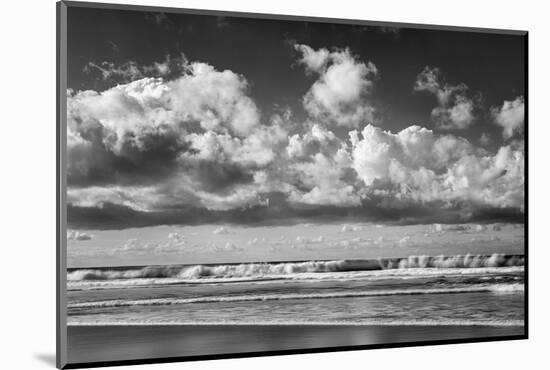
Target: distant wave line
[[499, 323], [496, 288]]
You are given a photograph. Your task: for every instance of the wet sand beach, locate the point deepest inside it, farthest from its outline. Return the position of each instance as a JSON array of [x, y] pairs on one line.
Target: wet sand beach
[[112, 343]]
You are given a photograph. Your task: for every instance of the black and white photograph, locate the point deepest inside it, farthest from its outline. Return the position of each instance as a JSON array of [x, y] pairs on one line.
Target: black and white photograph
[[240, 184]]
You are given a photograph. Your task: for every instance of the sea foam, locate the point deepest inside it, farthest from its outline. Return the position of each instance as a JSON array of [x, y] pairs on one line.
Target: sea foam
[[250, 270]]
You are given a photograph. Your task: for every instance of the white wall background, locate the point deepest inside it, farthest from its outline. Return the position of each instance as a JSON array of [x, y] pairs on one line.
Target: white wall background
[[27, 213]]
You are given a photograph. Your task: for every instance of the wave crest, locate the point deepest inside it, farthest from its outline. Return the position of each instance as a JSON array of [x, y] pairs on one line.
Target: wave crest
[[246, 270]]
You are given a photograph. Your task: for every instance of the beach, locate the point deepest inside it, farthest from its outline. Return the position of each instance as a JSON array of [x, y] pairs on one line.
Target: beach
[[123, 342]]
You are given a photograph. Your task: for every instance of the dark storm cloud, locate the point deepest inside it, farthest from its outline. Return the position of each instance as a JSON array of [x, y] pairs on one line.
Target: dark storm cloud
[[217, 177], [154, 159], [280, 212]]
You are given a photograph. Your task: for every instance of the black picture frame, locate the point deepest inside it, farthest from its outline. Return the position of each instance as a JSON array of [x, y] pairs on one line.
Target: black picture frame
[[61, 185]]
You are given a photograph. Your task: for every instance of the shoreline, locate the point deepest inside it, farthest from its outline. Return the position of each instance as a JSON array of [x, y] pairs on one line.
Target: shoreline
[[303, 324]]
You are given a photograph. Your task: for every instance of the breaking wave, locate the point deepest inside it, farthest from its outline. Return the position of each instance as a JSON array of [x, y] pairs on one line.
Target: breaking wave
[[258, 270]]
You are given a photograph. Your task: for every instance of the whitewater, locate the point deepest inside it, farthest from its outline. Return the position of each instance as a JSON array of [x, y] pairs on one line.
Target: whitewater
[[417, 290]]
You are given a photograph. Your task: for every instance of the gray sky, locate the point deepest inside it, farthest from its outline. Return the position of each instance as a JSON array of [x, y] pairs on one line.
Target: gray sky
[[229, 243]]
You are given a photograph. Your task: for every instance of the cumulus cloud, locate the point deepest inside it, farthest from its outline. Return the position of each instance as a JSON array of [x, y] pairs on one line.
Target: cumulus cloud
[[199, 134], [439, 228], [404, 240], [78, 235], [406, 174], [355, 243], [339, 95], [134, 245], [227, 247], [455, 110], [256, 241], [303, 240], [218, 100], [313, 60], [510, 117], [479, 228], [320, 166], [220, 230], [129, 114], [414, 153], [174, 243], [176, 238], [350, 228], [376, 171], [426, 167]]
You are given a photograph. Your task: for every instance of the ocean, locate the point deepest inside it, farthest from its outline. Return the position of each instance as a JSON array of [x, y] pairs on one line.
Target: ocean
[[418, 290], [400, 294]]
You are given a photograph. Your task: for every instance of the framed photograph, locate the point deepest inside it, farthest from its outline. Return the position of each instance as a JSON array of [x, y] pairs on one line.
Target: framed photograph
[[234, 184]]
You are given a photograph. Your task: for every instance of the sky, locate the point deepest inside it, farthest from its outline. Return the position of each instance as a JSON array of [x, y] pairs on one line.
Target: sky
[[192, 120], [220, 244]]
